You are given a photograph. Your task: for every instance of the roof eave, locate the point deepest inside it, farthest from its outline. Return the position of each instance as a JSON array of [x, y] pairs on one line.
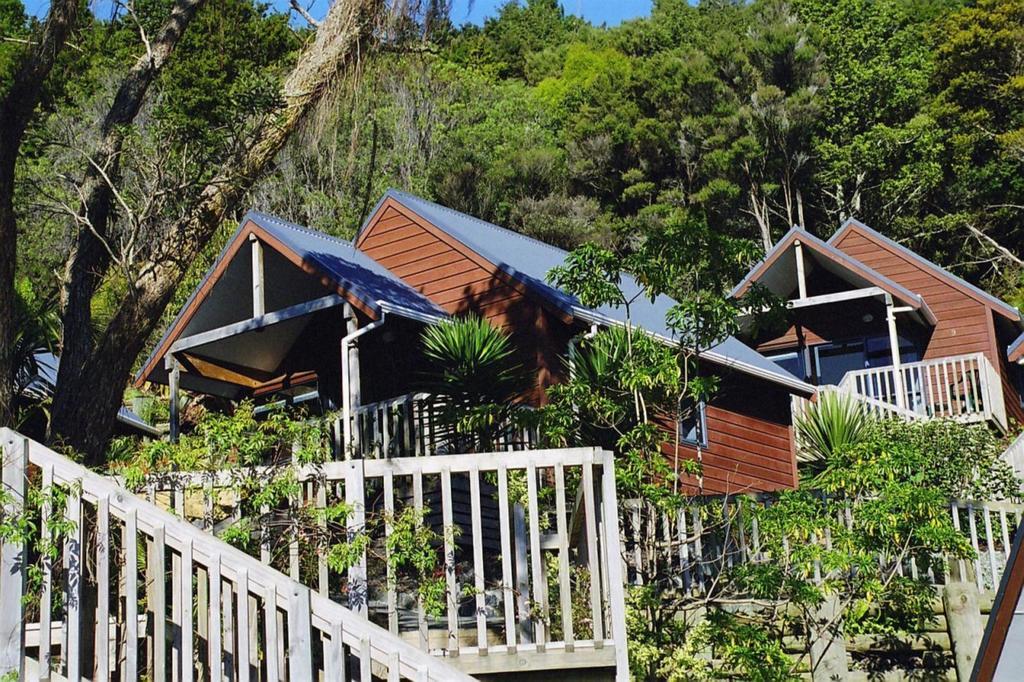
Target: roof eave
[[595, 317]]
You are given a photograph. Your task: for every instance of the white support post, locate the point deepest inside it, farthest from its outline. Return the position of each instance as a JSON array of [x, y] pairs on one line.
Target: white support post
[[14, 453], [175, 378], [894, 347], [801, 278], [350, 393], [258, 299], [355, 498]]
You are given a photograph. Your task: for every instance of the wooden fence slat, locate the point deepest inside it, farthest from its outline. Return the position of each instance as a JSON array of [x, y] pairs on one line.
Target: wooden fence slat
[[421, 614], [593, 563], [300, 646], [334, 655], [536, 561], [243, 655], [452, 586], [389, 527], [46, 594], [365, 661], [176, 632], [564, 579], [990, 542], [478, 562], [215, 648], [507, 587], [270, 639], [187, 649], [73, 585], [159, 605], [131, 596], [617, 603], [102, 669], [321, 560], [13, 465]]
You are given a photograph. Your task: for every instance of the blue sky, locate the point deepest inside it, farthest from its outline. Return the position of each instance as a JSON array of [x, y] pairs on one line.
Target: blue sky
[[611, 12]]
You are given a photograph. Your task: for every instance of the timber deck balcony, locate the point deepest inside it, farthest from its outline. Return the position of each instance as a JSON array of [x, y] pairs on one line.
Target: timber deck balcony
[[965, 388]]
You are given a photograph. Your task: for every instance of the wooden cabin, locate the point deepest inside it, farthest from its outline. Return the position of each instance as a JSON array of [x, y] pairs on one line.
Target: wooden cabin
[[877, 320], [287, 313]]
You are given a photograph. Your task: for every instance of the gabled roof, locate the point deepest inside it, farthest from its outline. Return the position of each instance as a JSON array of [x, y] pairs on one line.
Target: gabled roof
[[528, 261], [837, 260], [336, 261], [346, 266], [980, 295], [1016, 350]]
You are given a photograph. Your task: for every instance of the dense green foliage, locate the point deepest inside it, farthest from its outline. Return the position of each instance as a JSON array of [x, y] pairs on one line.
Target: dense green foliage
[[752, 116]]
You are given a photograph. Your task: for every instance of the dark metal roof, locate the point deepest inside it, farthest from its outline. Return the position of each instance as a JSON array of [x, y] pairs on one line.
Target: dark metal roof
[[528, 261], [350, 268], [1004, 307]]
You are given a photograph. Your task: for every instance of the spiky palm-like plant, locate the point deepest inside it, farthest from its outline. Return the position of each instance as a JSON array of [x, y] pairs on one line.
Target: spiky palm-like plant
[[476, 382], [834, 422]]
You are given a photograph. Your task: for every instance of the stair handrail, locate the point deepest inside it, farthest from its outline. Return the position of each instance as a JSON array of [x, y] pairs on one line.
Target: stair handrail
[[374, 644]]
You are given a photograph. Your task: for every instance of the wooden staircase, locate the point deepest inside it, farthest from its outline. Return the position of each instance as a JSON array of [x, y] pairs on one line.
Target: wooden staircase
[[179, 604]]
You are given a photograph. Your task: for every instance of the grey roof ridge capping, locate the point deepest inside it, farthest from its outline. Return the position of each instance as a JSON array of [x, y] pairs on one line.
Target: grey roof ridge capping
[[1007, 309], [851, 262], [534, 260]]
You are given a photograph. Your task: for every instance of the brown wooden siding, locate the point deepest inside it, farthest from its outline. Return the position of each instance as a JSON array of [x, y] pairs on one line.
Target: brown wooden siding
[[750, 441], [461, 282], [963, 324]]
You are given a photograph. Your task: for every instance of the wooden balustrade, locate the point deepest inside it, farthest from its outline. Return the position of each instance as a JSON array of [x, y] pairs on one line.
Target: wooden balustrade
[[523, 536], [413, 425], [143, 593], [694, 545], [965, 387]]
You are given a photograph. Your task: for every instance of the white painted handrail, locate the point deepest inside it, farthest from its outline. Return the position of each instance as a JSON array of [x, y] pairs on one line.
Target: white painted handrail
[[509, 511], [963, 387], [238, 641]]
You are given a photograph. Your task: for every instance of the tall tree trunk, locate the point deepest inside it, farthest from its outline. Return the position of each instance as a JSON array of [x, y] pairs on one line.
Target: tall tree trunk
[[16, 109], [89, 258], [90, 399]]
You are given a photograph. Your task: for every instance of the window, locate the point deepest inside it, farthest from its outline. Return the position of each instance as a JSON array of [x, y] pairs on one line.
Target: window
[[878, 351], [693, 425], [834, 360], [792, 361]]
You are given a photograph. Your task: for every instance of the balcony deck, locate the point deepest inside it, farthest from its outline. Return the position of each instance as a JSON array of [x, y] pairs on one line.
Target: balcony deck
[[964, 388]]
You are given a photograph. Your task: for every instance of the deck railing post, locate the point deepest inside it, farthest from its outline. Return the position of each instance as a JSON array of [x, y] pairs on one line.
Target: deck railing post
[[355, 496], [12, 565], [617, 598]]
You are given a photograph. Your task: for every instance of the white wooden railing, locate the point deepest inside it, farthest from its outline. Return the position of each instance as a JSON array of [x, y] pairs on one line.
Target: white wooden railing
[[202, 609], [965, 388], [510, 512], [412, 425], [696, 544]]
